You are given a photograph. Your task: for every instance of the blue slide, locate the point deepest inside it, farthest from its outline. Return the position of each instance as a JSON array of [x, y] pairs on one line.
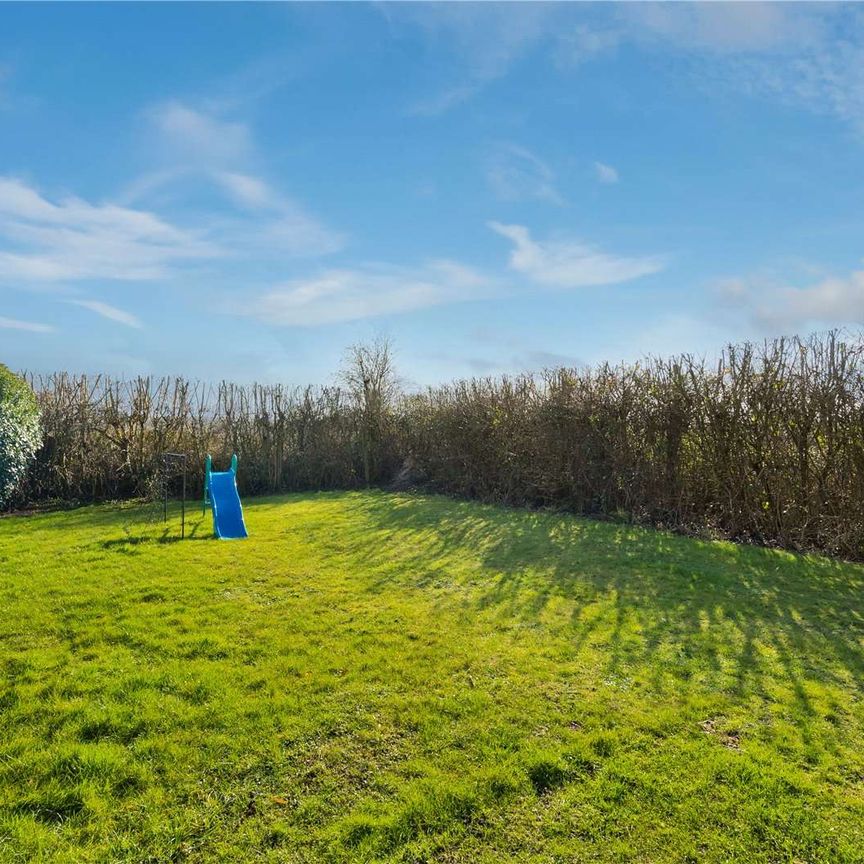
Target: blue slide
[[220, 488]]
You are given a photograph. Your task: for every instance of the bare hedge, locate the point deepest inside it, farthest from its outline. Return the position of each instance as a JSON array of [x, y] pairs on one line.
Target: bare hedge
[[765, 445]]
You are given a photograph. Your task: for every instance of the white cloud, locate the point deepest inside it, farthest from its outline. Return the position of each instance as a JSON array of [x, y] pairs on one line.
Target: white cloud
[[605, 173], [514, 173], [197, 138], [64, 239], [246, 190], [570, 264], [775, 306], [28, 326], [112, 313], [382, 289], [72, 239], [367, 292], [197, 148]]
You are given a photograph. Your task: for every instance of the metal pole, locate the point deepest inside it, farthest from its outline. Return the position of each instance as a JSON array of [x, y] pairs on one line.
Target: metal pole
[[183, 505], [171, 459]]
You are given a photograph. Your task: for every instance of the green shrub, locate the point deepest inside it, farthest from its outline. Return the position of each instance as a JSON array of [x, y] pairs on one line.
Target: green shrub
[[20, 433]]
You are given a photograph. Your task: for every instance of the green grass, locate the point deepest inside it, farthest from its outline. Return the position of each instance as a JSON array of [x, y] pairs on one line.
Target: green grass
[[377, 677]]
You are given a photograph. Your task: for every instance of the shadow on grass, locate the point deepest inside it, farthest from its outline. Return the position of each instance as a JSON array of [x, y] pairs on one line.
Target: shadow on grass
[[662, 595], [168, 535]]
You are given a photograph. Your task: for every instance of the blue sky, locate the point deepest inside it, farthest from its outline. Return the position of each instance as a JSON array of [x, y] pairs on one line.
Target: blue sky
[[241, 191]]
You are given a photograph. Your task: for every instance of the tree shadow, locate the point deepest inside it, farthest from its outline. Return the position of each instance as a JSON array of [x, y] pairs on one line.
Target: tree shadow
[[671, 603]]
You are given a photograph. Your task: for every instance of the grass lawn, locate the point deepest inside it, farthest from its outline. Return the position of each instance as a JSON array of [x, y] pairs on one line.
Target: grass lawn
[[375, 677]]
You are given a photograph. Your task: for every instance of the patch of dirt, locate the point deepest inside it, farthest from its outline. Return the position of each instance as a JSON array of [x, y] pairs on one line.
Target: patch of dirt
[[730, 738]]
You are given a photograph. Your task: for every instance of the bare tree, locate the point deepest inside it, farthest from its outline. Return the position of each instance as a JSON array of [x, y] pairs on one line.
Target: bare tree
[[369, 376]]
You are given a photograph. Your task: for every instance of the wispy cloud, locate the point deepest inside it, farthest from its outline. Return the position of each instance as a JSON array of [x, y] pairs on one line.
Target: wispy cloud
[[195, 147], [272, 222], [786, 52], [571, 264], [719, 29], [605, 173], [192, 137], [806, 54], [55, 239], [480, 42], [368, 292], [375, 290], [246, 190], [72, 239], [28, 326], [514, 173], [580, 43], [112, 313], [726, 28]]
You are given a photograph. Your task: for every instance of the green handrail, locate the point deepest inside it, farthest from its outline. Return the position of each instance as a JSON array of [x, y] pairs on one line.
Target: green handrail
[[208, 468]]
